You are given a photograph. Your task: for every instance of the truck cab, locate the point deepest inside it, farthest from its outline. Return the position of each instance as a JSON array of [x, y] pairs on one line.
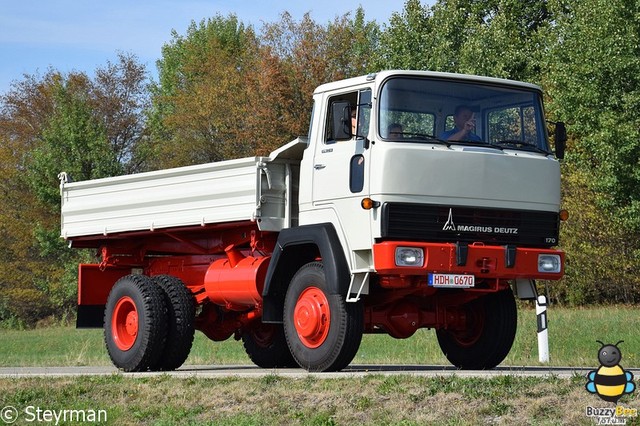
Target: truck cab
[[500, 187]]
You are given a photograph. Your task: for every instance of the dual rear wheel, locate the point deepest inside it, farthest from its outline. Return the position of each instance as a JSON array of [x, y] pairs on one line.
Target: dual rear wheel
[[149, 323]]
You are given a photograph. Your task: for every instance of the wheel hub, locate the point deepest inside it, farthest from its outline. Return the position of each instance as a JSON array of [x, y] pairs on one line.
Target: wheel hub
[[312, 317], [124, 323]]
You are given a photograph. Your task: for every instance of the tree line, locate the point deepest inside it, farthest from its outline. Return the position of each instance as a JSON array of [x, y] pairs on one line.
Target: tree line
[[226, 90]]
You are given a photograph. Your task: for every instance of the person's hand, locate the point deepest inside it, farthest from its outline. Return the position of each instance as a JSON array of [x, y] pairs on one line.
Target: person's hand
[[470, 124]]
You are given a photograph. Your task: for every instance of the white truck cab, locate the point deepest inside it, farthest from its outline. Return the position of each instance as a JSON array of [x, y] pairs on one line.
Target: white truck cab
[[416, 179]]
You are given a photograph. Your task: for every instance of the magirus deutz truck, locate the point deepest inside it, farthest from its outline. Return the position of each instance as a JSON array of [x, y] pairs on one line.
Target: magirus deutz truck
[[417, 200]]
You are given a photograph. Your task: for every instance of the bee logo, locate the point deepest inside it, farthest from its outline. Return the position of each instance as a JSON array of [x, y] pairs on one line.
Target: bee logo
[[610, 381]]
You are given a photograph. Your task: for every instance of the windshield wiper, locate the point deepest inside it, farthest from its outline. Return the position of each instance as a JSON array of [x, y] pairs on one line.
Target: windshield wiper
[[518, 144], [477, 143], [421, 137]]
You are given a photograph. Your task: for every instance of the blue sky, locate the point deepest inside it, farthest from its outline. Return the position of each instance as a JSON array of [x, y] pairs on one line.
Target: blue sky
[[83, 35]]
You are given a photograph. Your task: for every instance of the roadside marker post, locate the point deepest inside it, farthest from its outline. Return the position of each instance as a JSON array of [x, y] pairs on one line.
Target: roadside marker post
[[543, 333]]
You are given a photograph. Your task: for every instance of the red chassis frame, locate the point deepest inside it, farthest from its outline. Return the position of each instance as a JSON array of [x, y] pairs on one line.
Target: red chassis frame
[[236, 256]]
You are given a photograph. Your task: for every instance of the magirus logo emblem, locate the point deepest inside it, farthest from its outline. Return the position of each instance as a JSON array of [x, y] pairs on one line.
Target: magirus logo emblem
[[477, 228], [449, 226]]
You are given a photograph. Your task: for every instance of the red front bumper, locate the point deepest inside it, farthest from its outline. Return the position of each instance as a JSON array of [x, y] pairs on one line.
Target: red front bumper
[[483, 261]]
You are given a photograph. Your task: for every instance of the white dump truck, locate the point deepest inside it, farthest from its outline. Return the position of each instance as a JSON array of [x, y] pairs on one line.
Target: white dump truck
[[417, 200]]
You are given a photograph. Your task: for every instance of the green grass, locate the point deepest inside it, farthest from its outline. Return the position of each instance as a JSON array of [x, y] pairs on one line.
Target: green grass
[[374, 399], [572, 340]]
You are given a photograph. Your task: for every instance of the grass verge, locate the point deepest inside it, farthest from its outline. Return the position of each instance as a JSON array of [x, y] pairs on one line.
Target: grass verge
[[572, 340], [375, 399]]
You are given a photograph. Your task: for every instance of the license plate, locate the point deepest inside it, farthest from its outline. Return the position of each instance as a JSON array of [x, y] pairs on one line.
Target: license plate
[[451, 281]]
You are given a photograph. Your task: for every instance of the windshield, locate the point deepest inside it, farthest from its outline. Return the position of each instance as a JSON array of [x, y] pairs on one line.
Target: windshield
[[455, 112]]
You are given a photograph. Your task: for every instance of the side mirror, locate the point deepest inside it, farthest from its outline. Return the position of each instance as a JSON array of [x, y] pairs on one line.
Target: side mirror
[[560, 136], [341, 120]]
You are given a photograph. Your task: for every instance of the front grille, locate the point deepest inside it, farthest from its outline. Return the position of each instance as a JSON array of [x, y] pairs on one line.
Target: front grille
[[437, 223]]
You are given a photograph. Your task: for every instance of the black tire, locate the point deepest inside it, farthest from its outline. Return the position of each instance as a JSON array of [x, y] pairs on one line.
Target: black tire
[[135, 345], [492, 322], [267, 346], [181, 322], [334, 347]]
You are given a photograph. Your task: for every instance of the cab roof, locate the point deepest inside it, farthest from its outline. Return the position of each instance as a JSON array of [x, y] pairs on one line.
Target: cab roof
[[383, 75]]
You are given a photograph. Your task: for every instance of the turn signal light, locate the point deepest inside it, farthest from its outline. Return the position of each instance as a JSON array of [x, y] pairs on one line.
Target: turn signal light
[[368, 203], [564, 215]]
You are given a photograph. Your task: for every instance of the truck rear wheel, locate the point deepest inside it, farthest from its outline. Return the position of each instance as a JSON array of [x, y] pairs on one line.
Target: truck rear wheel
[[322, 330], [181, 317], [267, 347], [135, 323], [491, 328]]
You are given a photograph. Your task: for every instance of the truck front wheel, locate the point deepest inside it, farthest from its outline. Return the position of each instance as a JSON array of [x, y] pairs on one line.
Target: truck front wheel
[[491, 328], [135, 323], [322, 330]]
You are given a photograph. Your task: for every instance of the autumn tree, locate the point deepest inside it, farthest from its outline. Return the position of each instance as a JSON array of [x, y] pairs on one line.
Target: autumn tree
[[308, 54], [225, 92], [24, 113], [196, 113], [91, 129], [119, 97], [49, 124], [21, 269]]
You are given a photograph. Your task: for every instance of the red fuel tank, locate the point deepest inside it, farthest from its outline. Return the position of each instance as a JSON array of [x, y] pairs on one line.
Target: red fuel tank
[[237, 282]]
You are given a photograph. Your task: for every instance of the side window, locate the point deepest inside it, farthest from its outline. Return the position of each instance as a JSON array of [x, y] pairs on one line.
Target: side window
[[407, 124], [334, 124], [513, 124], [363, 114], [449, 123]]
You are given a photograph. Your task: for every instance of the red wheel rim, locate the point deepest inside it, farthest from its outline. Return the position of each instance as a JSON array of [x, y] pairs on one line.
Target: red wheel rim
[[312, 317], [124, 323]]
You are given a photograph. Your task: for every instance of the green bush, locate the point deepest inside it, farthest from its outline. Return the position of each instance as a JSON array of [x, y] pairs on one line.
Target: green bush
[[602, 261], [23, 307]]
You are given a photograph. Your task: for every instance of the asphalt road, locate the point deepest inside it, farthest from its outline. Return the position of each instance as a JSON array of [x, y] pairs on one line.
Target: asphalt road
[[207, 371]]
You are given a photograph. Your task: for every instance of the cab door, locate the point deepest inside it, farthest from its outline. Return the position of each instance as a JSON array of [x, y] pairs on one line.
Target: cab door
[[341, 166]]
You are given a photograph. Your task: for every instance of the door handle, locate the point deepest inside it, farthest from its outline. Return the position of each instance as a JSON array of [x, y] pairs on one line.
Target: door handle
[[319, 166]]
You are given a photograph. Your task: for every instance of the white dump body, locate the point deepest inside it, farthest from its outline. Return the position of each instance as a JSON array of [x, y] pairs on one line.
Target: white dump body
[[256, 188]]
